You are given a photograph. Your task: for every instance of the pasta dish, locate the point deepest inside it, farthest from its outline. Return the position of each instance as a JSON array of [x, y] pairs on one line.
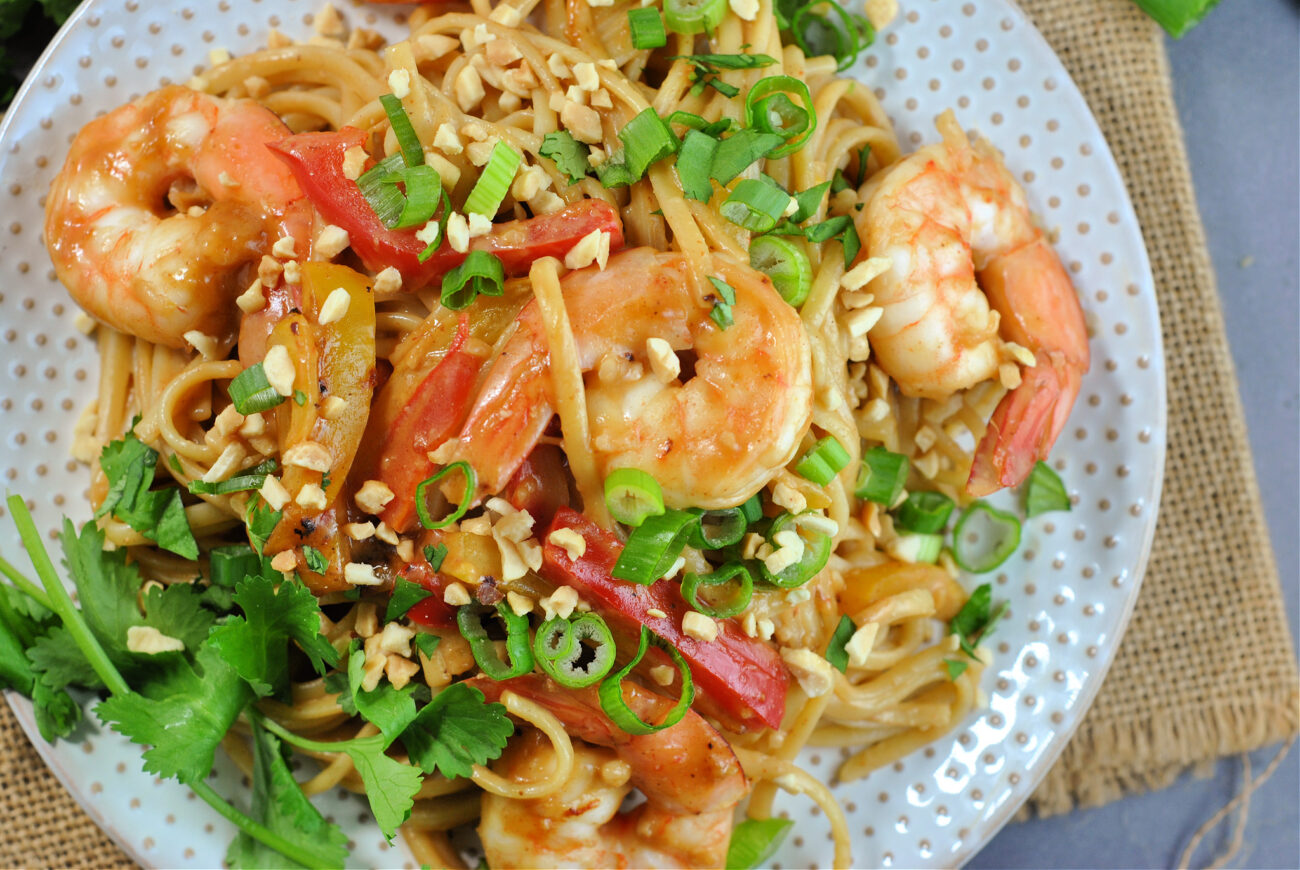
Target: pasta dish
[[548, 424]]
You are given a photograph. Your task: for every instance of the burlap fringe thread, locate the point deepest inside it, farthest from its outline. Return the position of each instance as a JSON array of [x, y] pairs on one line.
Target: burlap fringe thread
[[1087, 773]]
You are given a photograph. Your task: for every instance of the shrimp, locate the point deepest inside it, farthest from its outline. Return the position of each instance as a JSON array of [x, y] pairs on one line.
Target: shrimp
[[689, 776], [712, 436], [160, 205], [969, 272], [687, 768]]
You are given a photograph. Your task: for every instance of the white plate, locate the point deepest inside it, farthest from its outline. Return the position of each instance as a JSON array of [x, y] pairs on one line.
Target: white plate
[[1071, 587]]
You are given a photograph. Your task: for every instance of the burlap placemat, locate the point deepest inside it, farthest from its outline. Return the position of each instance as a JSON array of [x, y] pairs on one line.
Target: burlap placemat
[[1211, 573]]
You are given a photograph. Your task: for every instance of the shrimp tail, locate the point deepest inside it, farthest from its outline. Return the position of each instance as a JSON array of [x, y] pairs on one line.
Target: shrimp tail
[[1024, 425]]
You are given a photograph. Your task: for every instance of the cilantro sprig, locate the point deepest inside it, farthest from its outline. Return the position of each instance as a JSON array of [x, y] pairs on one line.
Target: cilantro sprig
[[972, 624], [130, 464]]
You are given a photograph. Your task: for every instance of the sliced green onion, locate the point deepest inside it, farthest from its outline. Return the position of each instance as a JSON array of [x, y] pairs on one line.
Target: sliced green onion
[[756, 101], [251, 392], [412, 151], [646, 139], [882, 476], [718, 529], [836, 653], [632, 495], [924, 512], [1045, 491], [984, 538], [808, 201], [693, 121], [725, 88], [754, 841], [778, 114], [753, 508], [248, 479], [469, 620], [562, 646], [493, 182], [737, 152], [786, 264], [816, 552], [654, 546], [229, 565], [385, 197], [694, 16], [863, 154], [423, 195], [755, 205], [785, 10], [840, 227], [646, 28], [916, 547], [481, 274], [835, 33], [733, 573], [611, 690], [422, 504], [694, 163], [440, 228], [714, 62], [823, 461], [721, 313]]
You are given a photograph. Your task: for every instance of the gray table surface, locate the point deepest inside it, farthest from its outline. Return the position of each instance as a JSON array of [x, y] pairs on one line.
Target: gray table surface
[[1237, 85]]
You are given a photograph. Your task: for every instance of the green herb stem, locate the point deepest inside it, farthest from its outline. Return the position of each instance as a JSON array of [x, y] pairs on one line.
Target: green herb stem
[[257, 831], [61, 602], [27, 587]]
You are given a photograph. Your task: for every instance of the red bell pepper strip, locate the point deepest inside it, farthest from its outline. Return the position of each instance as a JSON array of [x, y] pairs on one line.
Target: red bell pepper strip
[[431, 612], [431, 416], [743, 678], [316, 160]]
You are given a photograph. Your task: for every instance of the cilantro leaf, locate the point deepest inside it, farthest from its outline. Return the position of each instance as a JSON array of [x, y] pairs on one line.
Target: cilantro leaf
[[405, 596], [60, 661], [177, 611], [57, 714], [390, 785], [337, 684], [129, 464], [244, 481], [836, 654], [435, 555], [184, 716], [457, 730], [15, 667], [261, 522], [569, 154], [107, 587], [955, 667], [255, 645], [280, 805], [387, 708], [427, 642], [316, 560], [976, 619]]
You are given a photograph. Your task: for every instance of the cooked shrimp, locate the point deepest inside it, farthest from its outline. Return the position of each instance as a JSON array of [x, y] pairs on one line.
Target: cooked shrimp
[[160, 204], [970, 273], [581, 826], [711, 436], [688, 768]]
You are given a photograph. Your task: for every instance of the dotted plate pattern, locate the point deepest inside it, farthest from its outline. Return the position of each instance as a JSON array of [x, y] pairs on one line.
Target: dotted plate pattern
[[1071, 586]]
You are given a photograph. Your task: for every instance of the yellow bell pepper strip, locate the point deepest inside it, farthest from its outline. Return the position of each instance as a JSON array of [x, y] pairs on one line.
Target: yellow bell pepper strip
[[334, 375]]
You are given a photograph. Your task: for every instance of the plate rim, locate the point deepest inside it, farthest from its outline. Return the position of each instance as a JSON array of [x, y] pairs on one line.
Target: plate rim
[[989, 824]]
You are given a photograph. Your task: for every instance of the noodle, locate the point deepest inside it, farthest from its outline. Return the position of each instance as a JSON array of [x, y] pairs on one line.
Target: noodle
[[471, 82]]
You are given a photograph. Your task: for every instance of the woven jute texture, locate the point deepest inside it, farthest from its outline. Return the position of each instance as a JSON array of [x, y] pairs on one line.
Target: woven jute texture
[[1211, 572]]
